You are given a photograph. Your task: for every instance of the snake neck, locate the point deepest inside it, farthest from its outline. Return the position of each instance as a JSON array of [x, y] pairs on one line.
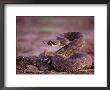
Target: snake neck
[[72, 48]]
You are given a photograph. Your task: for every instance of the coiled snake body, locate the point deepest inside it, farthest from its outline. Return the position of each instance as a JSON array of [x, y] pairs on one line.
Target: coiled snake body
[[69, 57]]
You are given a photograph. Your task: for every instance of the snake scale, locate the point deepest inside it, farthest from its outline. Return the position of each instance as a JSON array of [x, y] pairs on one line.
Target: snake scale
[[68, 58]]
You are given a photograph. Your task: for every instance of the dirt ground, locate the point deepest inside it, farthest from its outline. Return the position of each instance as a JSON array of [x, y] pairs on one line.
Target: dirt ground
[[32, 31]]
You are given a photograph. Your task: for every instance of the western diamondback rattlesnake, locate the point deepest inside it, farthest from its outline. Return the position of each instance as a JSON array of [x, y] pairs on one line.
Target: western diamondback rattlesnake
[[69, 57]]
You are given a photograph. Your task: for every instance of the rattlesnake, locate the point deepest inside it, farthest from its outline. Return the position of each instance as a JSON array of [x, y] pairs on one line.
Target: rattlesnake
[[69, 57]]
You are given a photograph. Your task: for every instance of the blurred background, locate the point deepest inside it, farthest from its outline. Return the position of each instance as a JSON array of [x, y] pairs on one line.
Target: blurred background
[[31, 31]]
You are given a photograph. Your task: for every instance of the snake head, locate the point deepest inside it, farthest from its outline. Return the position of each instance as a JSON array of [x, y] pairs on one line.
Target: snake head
[[58, 42]]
